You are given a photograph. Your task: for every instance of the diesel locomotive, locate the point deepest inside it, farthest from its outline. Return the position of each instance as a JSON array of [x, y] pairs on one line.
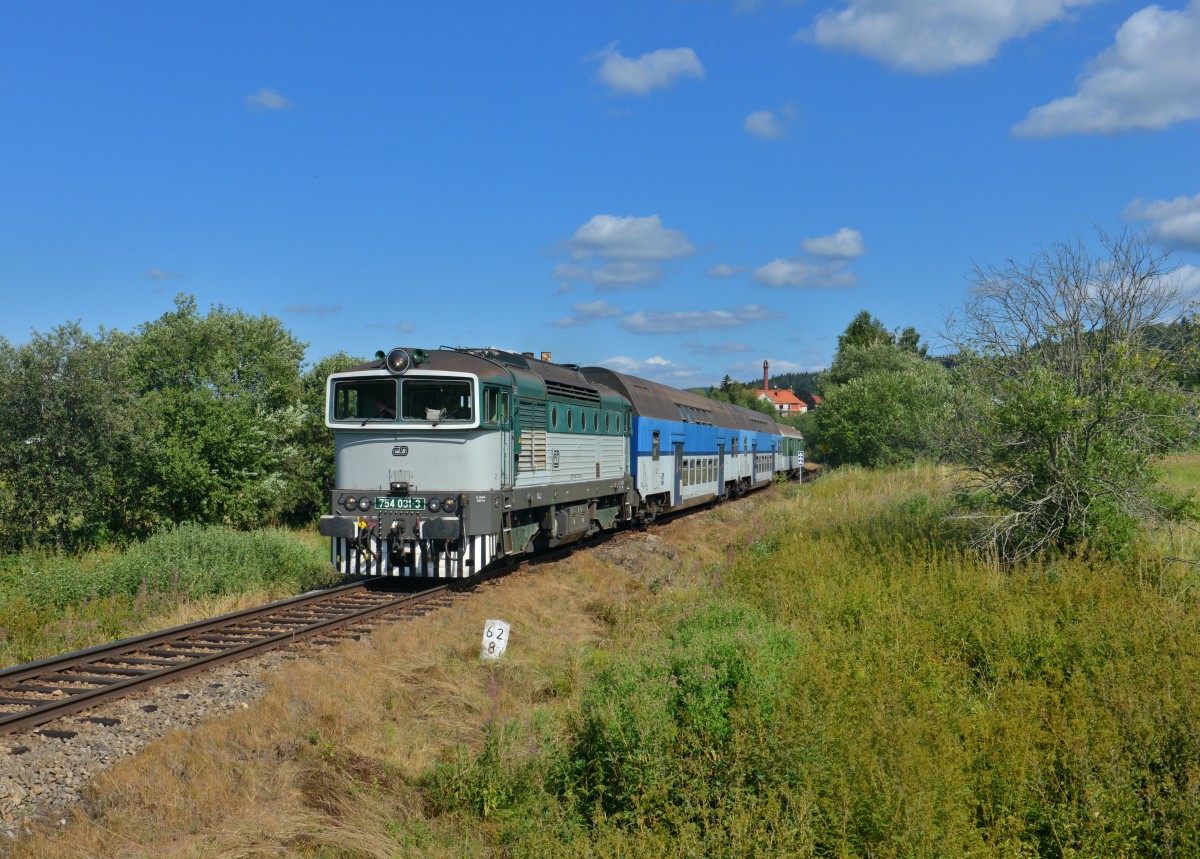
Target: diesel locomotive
[[449, 461]]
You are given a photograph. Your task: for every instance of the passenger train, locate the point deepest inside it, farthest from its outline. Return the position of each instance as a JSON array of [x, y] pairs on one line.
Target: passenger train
[[452, 460]]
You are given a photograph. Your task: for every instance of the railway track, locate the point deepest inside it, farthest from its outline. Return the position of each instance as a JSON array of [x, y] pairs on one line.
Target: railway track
[[38, 692]]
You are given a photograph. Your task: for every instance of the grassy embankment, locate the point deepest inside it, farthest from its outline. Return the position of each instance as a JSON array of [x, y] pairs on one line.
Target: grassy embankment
[[53, 603], [819, 672]]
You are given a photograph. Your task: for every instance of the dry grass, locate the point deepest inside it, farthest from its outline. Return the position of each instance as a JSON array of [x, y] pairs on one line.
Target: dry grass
[[329, 762]]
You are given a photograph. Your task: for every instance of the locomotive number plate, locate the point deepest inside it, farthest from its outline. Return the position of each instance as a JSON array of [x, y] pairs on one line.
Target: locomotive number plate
[[387, 502]]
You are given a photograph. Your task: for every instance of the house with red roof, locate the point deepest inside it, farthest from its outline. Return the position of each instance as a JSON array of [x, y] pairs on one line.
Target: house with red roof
[[782, 399]]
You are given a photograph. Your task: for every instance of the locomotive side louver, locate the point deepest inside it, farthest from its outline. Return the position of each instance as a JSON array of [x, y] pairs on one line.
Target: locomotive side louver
[[579, 394]]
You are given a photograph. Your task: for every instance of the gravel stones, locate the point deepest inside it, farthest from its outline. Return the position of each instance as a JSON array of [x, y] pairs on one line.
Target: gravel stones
[[46, 771]]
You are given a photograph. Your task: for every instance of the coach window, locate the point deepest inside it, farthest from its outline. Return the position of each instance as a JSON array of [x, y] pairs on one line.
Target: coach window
[[654, 448], [570, 420], [595, 421], [554, 417], [607, 422]]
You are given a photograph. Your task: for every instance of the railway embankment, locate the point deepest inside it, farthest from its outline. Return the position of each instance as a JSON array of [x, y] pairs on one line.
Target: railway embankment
[[814, 670]]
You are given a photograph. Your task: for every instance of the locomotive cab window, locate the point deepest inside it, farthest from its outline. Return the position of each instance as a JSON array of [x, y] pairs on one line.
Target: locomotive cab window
[[437, 400], [495, 407], [364, 400]]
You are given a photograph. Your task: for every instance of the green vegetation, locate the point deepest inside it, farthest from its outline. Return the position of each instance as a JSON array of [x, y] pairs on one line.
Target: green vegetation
[[51, 602], [856, 686], [1067, 389], [192, 418], [884, 404], [1074, 391]]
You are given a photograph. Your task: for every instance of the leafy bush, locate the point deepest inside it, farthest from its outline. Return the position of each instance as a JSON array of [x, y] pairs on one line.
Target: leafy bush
[[1076, 396], [887, 416]]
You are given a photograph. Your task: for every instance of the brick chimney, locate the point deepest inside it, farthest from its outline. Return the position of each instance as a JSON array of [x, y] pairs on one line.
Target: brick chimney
[[766, 387]]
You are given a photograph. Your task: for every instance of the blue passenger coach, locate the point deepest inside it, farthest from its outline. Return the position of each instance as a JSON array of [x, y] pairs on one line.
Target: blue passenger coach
[[686, 449]]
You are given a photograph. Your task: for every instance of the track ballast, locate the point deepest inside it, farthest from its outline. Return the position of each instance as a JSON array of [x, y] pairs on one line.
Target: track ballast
[[38, 692]]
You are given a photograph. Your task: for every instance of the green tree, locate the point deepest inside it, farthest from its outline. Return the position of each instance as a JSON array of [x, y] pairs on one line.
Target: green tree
[[886, 406], [1075, 401], [865, 330], [883, 402], [218, 396], [67, 436], [910, 341]]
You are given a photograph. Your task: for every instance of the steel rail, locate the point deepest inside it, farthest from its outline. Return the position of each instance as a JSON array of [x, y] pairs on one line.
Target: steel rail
[[197, 654]]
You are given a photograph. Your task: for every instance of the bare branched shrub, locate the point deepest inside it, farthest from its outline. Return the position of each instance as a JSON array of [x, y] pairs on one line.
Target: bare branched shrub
[[1074, 362]]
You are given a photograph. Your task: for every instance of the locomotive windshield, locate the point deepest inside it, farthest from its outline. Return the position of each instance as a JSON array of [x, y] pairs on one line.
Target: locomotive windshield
[[436, 400], [433, 400], [365, 400]]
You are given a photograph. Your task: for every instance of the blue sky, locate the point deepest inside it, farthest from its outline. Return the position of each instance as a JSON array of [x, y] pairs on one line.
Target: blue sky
[[677, 189]]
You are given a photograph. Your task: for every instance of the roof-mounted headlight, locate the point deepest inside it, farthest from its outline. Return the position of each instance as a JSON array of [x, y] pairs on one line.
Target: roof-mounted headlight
[[398, 361]]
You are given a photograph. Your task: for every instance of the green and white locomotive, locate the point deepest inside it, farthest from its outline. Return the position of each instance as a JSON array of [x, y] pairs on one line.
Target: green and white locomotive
[[447, 460], [450, 460]]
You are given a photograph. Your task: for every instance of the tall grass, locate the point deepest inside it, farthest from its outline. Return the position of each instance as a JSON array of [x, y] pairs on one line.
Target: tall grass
[[921, 703], [55, 602]]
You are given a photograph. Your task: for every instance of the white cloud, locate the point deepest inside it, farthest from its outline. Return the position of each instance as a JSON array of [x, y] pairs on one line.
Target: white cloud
[[1175, 223], [802, 273], [928, 36], [612, 252], [610, 276], [844, 244], [1148, 78], [162, 274], [659, 369], [1185, 280], [654, 70], [686, 321], [764, 124], [268, 99], [587, 312], [628, 238], [724, 269]]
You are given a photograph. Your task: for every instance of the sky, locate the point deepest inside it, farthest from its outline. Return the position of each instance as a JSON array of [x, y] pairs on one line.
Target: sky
[[679, 190]]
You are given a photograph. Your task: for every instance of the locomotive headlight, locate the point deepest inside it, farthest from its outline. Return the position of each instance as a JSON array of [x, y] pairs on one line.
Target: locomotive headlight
[[435, 504], [448, 505], [364, 504], [349, 502], [398, 361]]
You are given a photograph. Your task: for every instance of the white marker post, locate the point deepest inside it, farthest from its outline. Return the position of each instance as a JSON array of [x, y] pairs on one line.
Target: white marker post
[[495, 639]]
